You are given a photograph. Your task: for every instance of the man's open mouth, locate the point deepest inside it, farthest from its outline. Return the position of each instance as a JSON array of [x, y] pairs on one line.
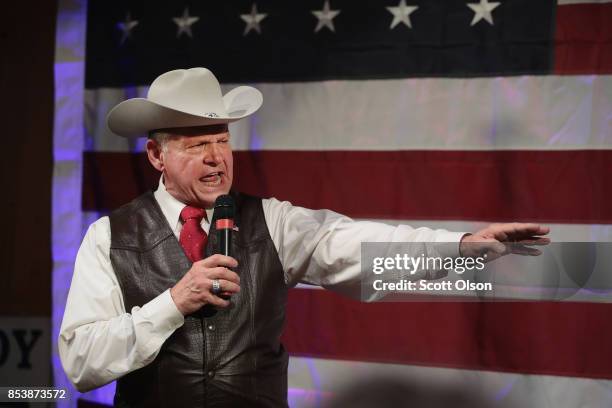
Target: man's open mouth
[[212, 179]]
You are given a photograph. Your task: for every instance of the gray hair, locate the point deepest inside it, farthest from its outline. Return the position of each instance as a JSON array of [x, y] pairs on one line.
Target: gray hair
[[161, 138]]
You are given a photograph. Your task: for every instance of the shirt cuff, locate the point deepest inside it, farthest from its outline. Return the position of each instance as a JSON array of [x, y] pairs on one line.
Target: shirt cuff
[[447, 243], [163, 313]]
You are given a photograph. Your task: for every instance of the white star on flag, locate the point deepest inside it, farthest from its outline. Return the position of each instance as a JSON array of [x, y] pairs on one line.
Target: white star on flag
[[126, 27], [252, 20], [401, 14], [184, 23], [483, 10], [326, 17]]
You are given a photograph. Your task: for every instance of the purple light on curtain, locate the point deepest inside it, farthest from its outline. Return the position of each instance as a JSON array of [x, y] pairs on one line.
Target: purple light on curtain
[[68, 221]]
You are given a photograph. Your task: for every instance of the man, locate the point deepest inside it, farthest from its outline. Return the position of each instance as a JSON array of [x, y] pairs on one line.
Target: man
[[150, 305]]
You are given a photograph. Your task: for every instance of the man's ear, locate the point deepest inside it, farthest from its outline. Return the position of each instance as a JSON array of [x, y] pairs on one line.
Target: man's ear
[[155, 154]]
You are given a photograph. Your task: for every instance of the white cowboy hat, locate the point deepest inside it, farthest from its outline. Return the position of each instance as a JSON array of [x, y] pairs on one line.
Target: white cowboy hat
[[182, 98]]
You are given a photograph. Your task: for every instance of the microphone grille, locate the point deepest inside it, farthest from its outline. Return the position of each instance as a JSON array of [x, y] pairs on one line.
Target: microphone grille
[[224, 207]]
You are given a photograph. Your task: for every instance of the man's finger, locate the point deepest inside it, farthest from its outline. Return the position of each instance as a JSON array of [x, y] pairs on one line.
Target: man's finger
[[534, 241], [524, 250], [217, 301], [227, 287], [218, 260], [221, 273], [528, 228], [516, 231]]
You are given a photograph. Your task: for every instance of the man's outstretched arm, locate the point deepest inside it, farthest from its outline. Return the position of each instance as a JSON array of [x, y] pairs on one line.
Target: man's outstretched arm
[[323, 248]]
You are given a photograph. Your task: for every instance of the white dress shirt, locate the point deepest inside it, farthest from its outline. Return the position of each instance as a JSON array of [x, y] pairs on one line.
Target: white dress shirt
[[100, 341]]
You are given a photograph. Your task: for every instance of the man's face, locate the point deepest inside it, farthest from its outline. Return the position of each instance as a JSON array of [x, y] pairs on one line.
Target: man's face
[[197, 164]]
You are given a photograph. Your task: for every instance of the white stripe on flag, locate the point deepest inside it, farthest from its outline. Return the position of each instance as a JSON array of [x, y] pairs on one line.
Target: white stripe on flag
[[505, 113], [319, 379]]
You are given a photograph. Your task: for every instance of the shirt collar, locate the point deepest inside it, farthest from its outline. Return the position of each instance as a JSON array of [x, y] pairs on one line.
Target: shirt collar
[[170, 206]]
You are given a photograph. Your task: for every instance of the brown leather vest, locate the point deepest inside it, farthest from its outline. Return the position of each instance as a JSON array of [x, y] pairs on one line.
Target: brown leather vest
[[238, 349]]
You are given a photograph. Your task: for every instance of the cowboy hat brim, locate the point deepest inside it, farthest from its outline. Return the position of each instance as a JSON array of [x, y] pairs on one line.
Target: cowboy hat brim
[[138, 116]]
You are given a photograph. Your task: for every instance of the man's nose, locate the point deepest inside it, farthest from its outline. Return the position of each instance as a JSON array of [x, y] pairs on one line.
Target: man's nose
[[212, 154]]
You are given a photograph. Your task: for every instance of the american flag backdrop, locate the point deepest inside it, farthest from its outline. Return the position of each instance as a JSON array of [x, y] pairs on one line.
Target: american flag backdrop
[[441, 113]]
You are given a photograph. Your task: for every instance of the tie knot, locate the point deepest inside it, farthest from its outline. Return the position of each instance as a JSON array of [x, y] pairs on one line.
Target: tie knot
[[189, 213]]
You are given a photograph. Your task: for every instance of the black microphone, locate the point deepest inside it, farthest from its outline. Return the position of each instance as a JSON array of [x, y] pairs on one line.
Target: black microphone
[[223, 218], [224, 224]]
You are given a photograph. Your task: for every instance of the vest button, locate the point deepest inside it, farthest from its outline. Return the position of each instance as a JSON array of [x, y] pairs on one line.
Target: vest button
[[211, 374], [211, 327]]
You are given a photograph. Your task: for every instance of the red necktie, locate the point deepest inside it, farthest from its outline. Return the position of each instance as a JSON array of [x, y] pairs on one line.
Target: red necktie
[[193, 238]]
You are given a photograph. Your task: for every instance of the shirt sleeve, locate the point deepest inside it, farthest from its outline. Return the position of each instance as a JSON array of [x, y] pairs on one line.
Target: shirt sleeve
[[99, 341], [322, 247]]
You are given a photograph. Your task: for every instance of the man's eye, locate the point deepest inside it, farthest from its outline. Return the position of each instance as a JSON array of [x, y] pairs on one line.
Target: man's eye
[[223, 141]]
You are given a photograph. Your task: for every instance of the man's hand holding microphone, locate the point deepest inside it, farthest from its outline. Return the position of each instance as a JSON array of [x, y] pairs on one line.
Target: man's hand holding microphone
[[195, 289], [209, 281]]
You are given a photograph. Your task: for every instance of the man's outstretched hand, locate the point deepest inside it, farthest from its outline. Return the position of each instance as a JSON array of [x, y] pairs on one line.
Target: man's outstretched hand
[[500, 239]]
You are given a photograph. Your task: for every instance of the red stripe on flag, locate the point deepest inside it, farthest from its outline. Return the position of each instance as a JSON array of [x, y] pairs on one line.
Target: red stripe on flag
[[583, 39], [544, 186], [531, 338]]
